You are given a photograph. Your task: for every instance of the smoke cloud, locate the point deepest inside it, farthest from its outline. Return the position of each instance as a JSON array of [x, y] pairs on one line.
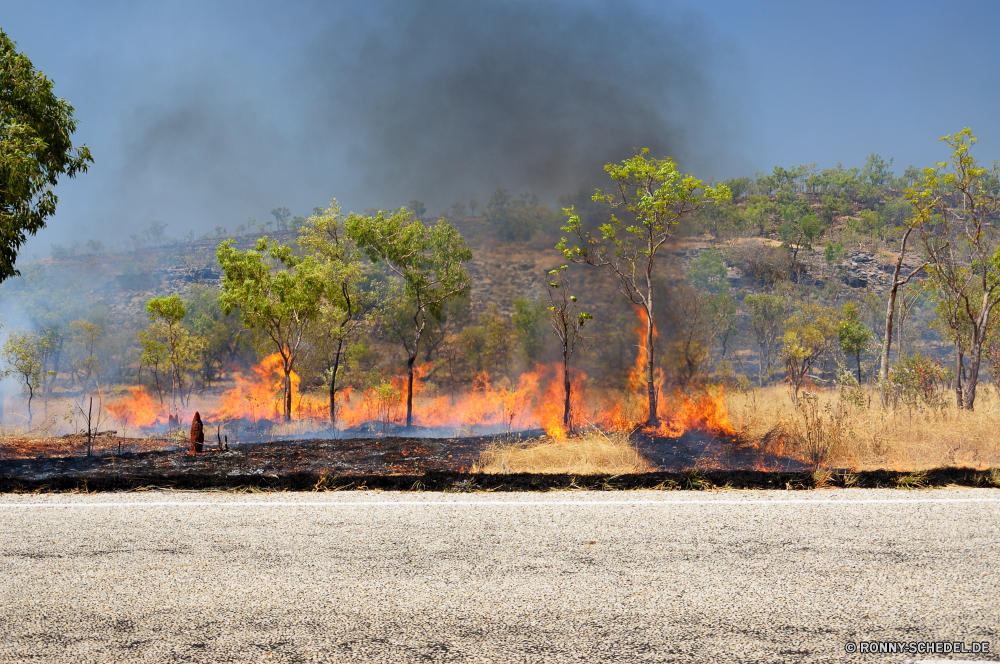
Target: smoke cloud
[[381, 102], [451, 99]]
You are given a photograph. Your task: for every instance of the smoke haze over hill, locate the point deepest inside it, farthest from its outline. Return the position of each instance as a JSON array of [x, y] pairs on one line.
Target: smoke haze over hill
[[376, 104]]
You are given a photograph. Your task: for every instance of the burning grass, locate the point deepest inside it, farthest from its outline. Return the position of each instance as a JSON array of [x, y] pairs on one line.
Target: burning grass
[[591, 453], [828, 430]]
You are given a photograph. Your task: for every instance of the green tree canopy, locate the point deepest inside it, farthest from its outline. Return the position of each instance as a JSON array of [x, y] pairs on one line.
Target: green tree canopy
[[430, 262], [35, 149], [853, 334], [654, 197], [347, 301], [24, 354], [277, 294], [809, 334], [168, 349]]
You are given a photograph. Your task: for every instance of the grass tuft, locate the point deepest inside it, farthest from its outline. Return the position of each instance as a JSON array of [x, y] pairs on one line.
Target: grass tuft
[[914, 480], [695, 480], [591, 453]]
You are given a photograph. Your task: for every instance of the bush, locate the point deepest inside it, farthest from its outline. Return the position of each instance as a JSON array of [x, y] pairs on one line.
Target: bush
[[919, 381], [761, 263]]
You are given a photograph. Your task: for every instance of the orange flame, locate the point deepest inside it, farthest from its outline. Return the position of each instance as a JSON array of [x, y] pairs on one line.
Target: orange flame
[[137, 408], [259, 395], [535, 400]]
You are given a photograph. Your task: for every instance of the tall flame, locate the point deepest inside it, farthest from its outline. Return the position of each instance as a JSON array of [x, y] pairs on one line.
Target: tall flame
[[137, 408], [535, 400]]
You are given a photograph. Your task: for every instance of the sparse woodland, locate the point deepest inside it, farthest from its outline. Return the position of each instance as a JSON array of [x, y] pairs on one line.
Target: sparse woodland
[[845, 315]]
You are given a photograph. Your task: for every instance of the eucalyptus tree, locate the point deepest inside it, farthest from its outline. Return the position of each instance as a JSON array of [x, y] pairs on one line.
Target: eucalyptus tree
[[277, 294], [655, 196], [429, 261], [567, 322], [348, 300], [168, 348], [955, 206], [24, 354]]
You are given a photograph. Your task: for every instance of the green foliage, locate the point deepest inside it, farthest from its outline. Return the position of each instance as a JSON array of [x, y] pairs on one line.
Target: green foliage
[[876, 172], [567, 321], [722, 311], [955, 206], [799, 232], [809, 334], [225, 337], [528, 320], [708, 271], [655, 196], [35, 150], [87, 334], [721, 220], [834, 253], [739, 187], [281, 216], [759, 213], [24, 354], [417, 208], [347, 301], [169, 351], [917, 380], [833, 207], [430, 263], [277, 294], [170, 309], [872, 224], [853, 334], [500, 341]]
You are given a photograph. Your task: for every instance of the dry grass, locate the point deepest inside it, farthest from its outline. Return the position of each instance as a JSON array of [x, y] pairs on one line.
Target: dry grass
[[829, 431], [590, 453]]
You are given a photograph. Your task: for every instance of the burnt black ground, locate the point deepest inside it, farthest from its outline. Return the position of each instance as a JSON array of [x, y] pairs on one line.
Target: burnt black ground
[[429, 464]]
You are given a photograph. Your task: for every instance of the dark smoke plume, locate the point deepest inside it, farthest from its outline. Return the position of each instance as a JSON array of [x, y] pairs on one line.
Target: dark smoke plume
[[454, 98], [381, 102]]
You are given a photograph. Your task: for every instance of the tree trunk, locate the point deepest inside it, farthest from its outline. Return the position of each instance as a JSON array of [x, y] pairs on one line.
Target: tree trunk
[[409, 388], [972, 379], [420, 320], [857, 356], [890, 312], [288, 394], [653, 419], [55, 367], [760, 366], [566, 388], [959, 397], [333, 383]]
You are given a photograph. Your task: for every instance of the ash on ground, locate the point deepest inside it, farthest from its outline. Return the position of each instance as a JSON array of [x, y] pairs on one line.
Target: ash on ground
[[390, 455], [694, 449]]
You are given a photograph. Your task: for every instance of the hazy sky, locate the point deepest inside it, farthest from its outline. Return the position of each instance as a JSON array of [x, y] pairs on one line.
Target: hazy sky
[[205, 113]]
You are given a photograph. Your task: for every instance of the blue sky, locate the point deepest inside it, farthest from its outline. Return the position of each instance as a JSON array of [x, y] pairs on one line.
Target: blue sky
[[202, 113]]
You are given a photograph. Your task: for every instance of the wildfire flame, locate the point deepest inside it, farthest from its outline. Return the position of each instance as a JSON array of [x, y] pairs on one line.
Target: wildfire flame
[[534, 401], [137, 408]]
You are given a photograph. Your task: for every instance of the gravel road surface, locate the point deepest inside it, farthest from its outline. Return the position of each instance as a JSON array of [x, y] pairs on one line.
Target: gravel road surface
[[557, 577]]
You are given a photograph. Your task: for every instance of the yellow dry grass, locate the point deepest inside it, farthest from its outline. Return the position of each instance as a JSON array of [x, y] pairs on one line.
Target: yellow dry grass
[[590, 453], [830, 431]]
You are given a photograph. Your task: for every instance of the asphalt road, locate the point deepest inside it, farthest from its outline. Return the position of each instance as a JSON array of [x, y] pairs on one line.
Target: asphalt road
[[558, 577]]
